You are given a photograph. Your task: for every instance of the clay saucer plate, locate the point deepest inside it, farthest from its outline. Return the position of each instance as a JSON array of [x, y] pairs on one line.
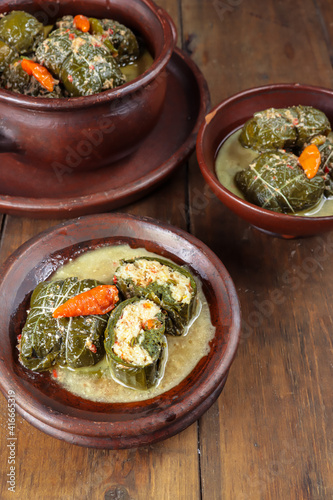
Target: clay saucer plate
[[62, 192], [52, 409]]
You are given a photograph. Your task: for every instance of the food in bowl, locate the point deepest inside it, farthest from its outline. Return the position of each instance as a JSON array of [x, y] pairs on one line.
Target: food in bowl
[[165, 283], [135, 343], [293, 171], [79, 134], [283, 128], [77, 56], [48, 339], [139, 353]]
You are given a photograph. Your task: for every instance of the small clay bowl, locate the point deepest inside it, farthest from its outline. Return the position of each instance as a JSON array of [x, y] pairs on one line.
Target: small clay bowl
[[229, 116], [52, 409], [98, 129]]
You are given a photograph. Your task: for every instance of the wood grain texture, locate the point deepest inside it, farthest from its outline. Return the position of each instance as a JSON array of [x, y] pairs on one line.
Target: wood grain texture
[[269, 435]]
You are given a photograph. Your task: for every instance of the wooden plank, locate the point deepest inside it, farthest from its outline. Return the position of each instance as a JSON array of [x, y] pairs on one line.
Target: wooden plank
[[253, 43], [167, 203], [267, 436], [325, 15]]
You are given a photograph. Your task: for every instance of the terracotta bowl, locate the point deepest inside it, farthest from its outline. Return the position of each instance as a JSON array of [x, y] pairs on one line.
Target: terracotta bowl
[[229, 116], [42, 402], [90, 132]]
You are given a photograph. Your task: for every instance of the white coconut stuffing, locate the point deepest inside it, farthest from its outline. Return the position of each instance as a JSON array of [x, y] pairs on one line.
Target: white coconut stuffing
[[142, 272], [130, 326]]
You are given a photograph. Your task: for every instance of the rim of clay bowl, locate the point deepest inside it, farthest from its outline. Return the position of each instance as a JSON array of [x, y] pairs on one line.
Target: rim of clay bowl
[[44, 103], [249, 210]]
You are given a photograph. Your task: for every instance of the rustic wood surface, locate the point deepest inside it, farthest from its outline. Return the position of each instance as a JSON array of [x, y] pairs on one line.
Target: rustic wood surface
[[269, 435]]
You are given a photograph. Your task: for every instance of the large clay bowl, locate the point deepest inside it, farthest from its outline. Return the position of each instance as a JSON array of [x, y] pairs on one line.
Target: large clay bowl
[[229, 116], [90, 132], [54, 410]]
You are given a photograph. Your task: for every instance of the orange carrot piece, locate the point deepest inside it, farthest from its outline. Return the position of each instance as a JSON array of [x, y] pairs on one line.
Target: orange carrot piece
[[82, 23], [310, 160], [99, 300], [151, 323], [42, 75]]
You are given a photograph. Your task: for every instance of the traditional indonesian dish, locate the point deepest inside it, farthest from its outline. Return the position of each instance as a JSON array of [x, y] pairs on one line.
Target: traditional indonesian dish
[[99, 335], [78, 56], [281, 160]]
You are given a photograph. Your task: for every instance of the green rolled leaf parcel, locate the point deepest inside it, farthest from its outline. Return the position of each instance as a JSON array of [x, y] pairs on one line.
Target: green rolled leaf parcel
[[21, 31], [135, 343], [284, 128], [171, 287], [71, 342], [277, 182]]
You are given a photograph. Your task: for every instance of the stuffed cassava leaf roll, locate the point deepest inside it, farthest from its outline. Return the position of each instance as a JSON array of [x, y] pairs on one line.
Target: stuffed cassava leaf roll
[[118, 37], [135, 343], [21, 31], [46, 341], [276, 181], [171, 287], [84, 65], [283, 128]]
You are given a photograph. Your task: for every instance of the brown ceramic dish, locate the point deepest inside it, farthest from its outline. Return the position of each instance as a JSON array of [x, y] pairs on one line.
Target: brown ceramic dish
[[42, 133], [59, 413], [229, 116], [36, 193]]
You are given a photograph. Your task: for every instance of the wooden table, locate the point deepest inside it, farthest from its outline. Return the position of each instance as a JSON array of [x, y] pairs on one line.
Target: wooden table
[[269, 435]]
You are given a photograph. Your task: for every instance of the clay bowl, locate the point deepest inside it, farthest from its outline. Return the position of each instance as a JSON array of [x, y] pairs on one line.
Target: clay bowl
[[99, 129], [59, 413], [229, 116]]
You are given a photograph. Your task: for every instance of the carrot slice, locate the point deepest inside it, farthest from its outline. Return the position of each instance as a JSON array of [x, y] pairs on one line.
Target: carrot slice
[[82, 23], [99, 300], [151, 323], [310, 160], [42, 75]]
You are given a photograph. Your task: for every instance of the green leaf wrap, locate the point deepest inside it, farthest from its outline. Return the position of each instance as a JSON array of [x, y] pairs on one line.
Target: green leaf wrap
[[115, 36], [83, 63], [54, 51], [276, 181], [22, 31], [283, 128], [120, 37], [47, 341], [153, 341], [178, 313]]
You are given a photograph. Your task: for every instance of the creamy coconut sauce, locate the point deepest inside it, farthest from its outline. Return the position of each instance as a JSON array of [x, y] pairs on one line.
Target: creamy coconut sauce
[[138, 67], [232, 157], [184, 352]]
